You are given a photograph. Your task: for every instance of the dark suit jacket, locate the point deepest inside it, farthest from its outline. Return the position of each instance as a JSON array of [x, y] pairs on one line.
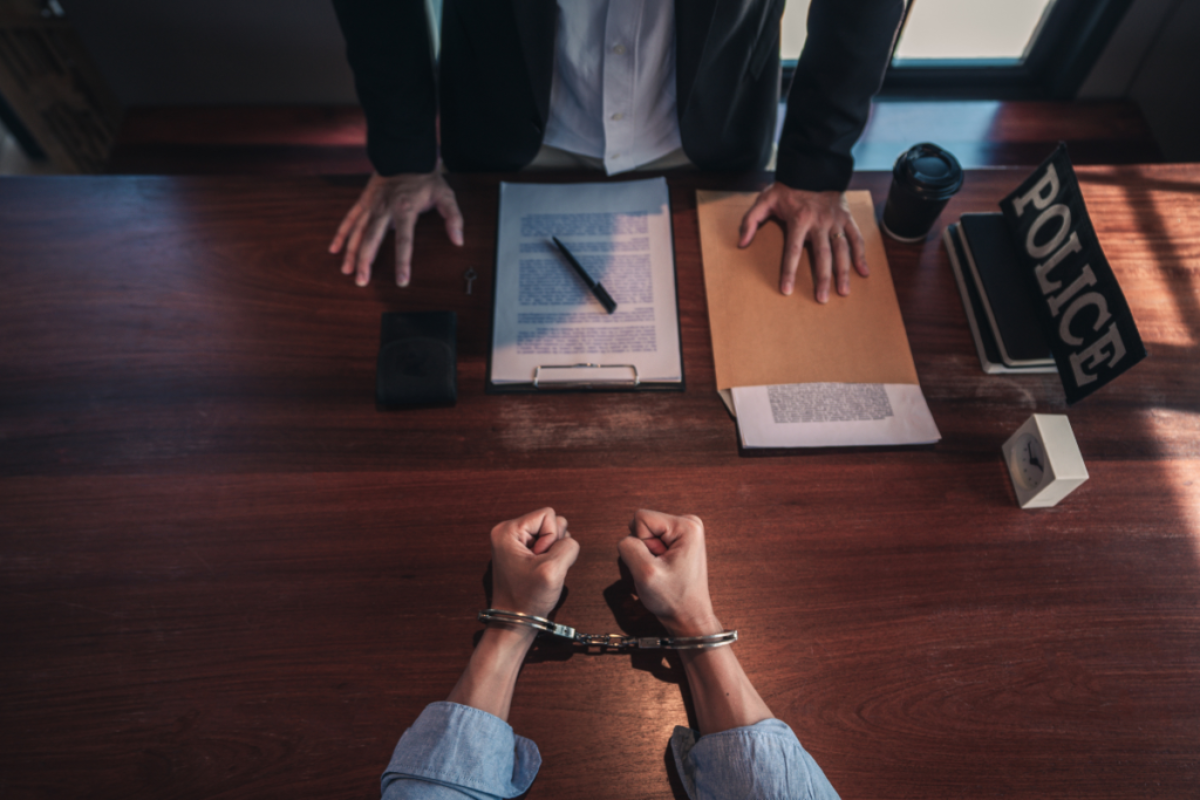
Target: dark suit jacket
[[492, 87]]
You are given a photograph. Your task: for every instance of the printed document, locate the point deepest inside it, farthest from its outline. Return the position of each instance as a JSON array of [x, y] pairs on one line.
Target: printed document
[[545, 316], [833, 415]]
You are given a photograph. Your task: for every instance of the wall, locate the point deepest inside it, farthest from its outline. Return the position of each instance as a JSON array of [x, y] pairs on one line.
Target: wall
[[1154, 60], [1167, 87], [168, 52]]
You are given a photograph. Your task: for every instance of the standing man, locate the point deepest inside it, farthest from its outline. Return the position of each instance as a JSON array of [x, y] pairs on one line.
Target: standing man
[[621, 85]]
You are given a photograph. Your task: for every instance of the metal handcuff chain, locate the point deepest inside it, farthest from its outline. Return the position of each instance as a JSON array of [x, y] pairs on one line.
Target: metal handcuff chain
[[609, 641]]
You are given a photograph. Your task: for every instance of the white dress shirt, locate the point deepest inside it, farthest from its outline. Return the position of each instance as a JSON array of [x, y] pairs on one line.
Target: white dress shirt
[[613, 92]]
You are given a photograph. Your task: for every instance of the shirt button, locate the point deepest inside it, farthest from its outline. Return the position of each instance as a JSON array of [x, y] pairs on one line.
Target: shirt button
[[618, 117], [619, 49]]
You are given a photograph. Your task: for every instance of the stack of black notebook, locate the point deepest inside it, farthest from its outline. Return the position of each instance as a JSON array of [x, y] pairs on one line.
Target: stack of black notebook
[[995, 294]]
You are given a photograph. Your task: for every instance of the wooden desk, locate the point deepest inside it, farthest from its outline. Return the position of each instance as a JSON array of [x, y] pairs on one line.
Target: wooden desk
[[224, 574]]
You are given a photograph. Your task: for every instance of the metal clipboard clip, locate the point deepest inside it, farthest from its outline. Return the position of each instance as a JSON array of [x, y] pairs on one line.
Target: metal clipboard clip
[[537, 377]]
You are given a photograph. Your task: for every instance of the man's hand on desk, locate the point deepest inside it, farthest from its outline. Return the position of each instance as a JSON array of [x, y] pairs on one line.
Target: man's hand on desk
[[395, 201], [821, 218]]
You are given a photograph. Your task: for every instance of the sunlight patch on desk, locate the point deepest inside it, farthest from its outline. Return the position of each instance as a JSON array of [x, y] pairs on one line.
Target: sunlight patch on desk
[[1177, 212], [1153, 271], [1175, 432], [1184, 476], [1178, 433]]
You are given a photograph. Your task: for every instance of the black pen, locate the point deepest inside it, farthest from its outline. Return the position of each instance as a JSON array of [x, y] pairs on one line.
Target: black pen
[[603, 296]]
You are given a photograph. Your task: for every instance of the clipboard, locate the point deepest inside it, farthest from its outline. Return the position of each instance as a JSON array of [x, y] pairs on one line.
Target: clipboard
[[625, 234], [631, 384]]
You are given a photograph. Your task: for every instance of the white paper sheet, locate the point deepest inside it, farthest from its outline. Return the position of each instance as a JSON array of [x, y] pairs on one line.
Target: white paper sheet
[[545, 315], [833, 415]]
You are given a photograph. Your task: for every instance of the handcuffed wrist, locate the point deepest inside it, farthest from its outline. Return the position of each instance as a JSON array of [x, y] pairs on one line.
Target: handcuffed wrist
[[506, 631], [704, 626]]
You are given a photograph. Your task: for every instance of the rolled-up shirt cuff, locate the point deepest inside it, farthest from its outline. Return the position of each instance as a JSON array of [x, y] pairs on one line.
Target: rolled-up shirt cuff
[[763, 760], [464, 748]]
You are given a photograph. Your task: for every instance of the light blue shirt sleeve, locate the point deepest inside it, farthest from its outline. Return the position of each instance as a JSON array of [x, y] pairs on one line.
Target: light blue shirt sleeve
[[759, 761], [454, 751]]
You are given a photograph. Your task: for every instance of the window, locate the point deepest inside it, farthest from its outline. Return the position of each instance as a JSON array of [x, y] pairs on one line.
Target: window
[[995, 31], [985, 48]]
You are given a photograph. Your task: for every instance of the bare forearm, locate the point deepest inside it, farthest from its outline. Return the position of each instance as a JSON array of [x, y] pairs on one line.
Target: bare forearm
[[491, 675], [723, 695]]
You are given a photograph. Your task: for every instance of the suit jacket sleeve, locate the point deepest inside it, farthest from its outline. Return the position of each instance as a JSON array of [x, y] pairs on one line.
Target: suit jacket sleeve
[[847, 51], [389, 50]]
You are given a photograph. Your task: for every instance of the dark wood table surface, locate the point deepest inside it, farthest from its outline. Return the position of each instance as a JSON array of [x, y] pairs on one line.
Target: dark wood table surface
[[224, 573]]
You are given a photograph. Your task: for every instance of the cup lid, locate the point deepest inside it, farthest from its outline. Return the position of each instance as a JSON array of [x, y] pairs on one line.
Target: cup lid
[[929, 171]]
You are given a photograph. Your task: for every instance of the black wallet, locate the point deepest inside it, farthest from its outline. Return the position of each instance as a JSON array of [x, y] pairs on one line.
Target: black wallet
[[418, 360]]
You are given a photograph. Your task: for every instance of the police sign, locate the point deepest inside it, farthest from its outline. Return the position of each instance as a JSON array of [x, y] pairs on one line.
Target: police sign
[[1083, 312]]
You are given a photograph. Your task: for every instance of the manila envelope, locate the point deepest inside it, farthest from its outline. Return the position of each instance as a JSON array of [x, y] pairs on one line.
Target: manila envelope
[[762, 338]]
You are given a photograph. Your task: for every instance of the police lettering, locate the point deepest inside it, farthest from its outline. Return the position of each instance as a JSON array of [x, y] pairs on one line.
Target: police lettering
[[1096, 355], [1041, 194], [1056, 211], [1052, 227], [1043, 269], [1090, 299]]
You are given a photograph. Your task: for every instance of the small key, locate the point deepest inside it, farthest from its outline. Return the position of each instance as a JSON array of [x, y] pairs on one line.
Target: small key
[[470, 276]]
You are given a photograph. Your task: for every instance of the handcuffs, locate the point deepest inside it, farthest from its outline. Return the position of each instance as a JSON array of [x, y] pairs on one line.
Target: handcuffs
[[609, 641]]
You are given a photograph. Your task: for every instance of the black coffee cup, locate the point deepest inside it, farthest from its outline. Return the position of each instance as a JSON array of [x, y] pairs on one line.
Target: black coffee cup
[[924, 179]]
